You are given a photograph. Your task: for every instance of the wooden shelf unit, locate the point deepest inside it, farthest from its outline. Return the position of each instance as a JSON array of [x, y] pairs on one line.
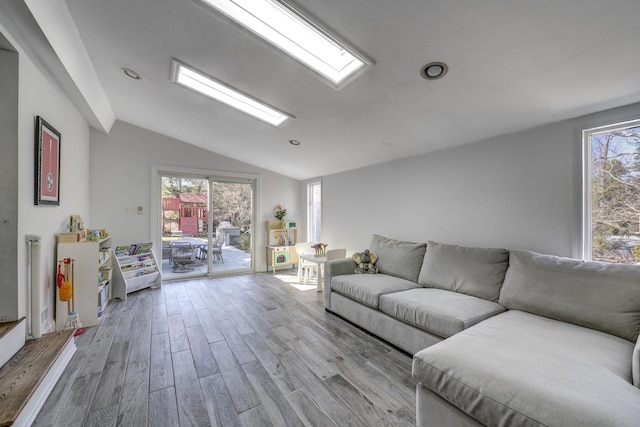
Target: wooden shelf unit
[[91, 291]]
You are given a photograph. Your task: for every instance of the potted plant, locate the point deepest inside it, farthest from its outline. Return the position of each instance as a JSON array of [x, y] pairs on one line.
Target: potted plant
[[280, 212], [319, 248]]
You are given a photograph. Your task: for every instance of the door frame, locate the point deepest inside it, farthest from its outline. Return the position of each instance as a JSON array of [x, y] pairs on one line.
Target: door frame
[[157, 171]]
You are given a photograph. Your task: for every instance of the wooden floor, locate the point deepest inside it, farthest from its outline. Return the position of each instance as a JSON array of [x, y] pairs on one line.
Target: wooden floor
[[6, 327], [249, 350], [23, 373]]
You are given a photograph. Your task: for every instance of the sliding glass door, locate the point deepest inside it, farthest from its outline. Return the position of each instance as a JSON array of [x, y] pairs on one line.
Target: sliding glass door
[[232, 216], [205, 225]]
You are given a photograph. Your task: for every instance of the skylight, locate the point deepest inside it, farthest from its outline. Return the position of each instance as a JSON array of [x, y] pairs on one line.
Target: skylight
[[282, 25], [188, 77]]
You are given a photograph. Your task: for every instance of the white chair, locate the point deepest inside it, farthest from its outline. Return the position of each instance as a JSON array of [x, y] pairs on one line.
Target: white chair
[[331, 254], [304, 266], [336, 254]]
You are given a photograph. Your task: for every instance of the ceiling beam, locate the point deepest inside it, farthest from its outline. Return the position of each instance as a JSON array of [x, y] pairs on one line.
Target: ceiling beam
[[45, 29]]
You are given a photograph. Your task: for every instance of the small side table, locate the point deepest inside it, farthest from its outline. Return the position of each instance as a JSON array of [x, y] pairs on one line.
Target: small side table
[[320, 260]]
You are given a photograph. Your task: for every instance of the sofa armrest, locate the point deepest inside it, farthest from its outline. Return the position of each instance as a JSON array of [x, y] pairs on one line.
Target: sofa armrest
[[333, 268], [635, 364]]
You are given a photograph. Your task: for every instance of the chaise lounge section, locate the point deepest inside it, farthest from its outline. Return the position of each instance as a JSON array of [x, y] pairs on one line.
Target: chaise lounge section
[[502, 337]]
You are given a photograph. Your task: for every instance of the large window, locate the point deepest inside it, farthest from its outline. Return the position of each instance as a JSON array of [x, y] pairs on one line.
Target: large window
[[612, 193], [314, 209]]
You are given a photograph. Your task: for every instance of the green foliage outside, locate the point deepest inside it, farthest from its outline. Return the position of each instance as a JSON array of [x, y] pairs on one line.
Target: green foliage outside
[[615, 186], [230, 202]]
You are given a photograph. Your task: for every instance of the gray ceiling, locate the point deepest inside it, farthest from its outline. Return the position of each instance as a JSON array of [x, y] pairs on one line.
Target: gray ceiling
[[513, 65]]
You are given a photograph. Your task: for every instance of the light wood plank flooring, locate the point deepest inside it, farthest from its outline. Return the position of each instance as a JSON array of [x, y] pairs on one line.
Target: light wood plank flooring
[[249, 350], [21, 376]]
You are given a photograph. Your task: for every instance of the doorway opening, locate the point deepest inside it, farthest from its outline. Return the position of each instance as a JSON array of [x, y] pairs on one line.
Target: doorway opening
[[205, 225]]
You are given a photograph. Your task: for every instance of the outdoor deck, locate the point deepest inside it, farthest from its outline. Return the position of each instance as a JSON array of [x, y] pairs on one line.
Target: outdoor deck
[[234, 260]]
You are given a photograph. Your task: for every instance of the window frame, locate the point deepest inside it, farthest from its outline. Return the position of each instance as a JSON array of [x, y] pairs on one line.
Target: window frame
[[587, 175], [311, 212]]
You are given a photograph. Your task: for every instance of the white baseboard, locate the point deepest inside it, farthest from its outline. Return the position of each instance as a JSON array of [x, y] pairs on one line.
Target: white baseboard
[[48, 327]]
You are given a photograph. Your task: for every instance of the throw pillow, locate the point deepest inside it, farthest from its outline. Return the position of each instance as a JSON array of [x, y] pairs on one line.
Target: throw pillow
[[600, 296], [474, 271], [398, 258]]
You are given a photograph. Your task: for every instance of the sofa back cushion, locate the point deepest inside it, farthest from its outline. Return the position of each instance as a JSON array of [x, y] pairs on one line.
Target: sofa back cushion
[[398, 258], [478, 272], [600, 296]]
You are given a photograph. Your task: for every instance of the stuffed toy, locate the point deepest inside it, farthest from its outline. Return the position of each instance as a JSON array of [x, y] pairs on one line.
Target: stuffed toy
[[365, 262]]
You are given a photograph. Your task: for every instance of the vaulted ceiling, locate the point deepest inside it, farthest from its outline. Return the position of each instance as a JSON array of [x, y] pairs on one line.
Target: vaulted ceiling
[[512, 66]]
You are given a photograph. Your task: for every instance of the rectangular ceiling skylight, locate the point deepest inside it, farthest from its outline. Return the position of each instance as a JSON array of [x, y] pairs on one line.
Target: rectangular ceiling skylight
[[188, 77], [288, 29]]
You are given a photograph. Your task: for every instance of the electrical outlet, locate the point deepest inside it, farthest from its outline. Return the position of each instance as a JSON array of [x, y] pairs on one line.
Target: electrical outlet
[[139, 210]]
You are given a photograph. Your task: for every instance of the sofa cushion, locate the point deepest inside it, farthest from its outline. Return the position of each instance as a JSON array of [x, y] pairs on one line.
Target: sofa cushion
[[521, 369], [443, 313], [601, 296], [472, 271], [398, 258], [367, 288]]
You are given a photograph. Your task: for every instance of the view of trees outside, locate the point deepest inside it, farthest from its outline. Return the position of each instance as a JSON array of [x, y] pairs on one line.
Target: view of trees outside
[[615, 192], [231, 202], [314, 201]]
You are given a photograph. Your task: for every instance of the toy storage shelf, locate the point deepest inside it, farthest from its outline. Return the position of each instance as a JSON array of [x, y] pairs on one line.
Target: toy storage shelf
[[281, 250], [136, 268], [91, 281]]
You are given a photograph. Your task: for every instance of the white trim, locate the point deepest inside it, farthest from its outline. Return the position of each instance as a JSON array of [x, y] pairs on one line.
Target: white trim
[[308, 186], [586, 195], [12, 341], [40, 395], [587, 173]]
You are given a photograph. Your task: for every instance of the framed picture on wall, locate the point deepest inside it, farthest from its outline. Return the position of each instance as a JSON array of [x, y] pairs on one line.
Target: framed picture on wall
[[47, 155]]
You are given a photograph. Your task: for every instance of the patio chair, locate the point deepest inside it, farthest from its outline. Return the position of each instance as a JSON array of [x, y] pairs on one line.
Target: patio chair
[[182, 254], [216, 248], [166, 251]]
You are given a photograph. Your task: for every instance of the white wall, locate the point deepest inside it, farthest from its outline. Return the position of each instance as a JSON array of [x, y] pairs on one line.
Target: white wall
[[121, 164], [516, 191], [39, 94]]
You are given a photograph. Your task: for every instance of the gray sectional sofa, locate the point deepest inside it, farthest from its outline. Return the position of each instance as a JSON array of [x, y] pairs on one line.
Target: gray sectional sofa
[[502, 337]]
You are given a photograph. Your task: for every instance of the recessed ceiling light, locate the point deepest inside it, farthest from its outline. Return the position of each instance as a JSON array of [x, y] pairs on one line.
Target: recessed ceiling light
[[130, 73], [434, 70], [206, 85], [296, 34], [294, 142]]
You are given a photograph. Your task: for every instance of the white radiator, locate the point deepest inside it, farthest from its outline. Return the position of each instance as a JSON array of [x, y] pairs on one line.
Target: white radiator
[[33, 287]]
